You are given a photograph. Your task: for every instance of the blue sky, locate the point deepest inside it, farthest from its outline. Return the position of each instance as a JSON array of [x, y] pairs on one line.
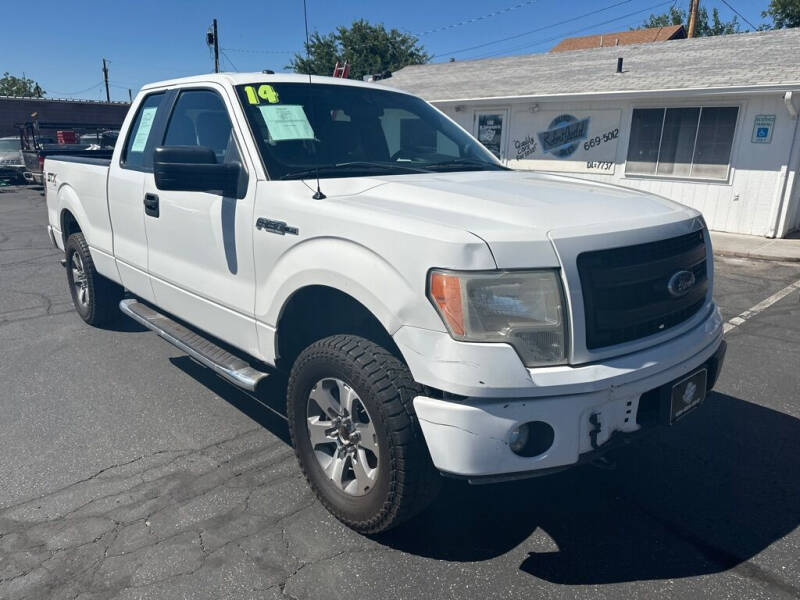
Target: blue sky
[[62, 45]]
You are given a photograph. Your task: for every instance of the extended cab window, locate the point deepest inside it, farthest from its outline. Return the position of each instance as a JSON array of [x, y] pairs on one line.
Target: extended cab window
[[201, 119], [138, 152], [353, 131]]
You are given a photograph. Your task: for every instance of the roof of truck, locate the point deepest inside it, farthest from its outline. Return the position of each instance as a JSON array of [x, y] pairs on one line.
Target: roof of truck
[[258, 77]]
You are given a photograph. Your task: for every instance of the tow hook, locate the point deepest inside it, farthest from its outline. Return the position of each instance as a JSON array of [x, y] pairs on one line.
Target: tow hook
[[594, 420]]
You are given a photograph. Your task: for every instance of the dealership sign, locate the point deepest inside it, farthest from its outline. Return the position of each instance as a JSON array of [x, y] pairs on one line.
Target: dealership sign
[[572, 141], [562, 138]]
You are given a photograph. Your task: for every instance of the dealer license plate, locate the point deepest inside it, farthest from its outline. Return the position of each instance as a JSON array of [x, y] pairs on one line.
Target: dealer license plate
[[687, 395]]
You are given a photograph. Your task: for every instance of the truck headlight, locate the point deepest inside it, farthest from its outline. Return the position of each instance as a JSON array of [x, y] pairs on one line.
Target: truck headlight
[[525, 309]]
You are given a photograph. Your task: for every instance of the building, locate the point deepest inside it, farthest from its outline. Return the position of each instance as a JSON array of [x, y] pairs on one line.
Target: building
[[621, 38], [15, 110], [710, 122]]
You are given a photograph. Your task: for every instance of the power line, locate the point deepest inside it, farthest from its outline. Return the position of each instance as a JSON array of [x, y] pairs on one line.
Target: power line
[[225, 55], [740, 14], [259, 51], [96, 85], [562, 35], [538, 29], [490, 15]]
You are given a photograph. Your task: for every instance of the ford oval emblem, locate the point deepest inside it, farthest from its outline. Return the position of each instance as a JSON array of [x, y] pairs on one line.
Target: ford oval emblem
[[680, 283]]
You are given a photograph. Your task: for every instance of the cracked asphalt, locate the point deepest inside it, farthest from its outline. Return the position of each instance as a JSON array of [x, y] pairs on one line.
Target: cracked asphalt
[[128, 471]]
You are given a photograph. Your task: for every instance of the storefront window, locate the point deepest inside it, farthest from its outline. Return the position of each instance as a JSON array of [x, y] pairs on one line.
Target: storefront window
[[693, 142]]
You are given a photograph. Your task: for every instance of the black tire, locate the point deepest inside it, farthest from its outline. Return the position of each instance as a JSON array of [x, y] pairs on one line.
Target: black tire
[[406, 479], [98, 302]]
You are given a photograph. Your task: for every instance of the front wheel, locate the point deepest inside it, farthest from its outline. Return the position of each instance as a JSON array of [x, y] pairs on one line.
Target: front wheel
[[356, 435]]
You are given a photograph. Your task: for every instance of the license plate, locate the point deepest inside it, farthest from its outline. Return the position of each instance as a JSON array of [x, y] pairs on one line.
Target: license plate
[[687, 395]]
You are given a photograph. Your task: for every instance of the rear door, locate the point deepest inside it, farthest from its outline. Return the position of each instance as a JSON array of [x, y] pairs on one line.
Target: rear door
[[200, 245], [126, 193]]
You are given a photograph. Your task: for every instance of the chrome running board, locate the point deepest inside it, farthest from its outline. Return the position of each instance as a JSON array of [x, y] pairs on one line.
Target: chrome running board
[[203, 350]]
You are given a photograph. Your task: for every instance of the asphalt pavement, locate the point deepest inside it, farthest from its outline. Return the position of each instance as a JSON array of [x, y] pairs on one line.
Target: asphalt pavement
[[128, 471]]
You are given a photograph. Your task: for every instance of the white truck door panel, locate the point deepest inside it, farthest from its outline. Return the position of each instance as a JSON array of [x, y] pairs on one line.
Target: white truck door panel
[[200, 253], [126, 178]]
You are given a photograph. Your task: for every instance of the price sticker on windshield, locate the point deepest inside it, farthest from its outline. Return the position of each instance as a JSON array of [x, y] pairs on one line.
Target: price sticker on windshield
[[264, 92], [286, 122]]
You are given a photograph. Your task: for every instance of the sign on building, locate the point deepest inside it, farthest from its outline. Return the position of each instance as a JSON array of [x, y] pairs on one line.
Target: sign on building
[[575, 141], [762, 129]]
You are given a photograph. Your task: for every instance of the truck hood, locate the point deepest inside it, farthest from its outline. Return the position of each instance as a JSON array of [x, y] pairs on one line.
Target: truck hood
[[514, 212]]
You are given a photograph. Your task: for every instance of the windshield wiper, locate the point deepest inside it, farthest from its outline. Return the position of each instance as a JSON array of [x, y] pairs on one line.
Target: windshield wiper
[[469, 163], [352, 166]]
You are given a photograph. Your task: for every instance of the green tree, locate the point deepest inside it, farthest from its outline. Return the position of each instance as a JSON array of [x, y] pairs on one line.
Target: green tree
[[367, 48], [784, 13], [19, 86], [676, 16]]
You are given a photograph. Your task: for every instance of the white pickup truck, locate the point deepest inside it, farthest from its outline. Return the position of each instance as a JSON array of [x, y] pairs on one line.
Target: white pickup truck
[[437, 313]]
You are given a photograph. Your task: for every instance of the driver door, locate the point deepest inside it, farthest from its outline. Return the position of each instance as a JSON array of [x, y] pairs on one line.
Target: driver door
[[199, 244]]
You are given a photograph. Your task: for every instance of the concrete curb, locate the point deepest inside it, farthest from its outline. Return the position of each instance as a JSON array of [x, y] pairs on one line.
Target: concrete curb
[[755, 256]]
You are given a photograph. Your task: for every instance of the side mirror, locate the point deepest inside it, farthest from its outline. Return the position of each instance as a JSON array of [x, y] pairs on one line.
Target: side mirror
[[195, 169]]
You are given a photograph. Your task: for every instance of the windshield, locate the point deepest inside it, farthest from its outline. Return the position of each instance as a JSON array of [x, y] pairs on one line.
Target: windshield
[[9, 144], [349, 131]]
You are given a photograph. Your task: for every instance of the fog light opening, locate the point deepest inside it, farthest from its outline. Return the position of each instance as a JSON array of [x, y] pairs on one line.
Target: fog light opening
[[518, 438], [531, 439]]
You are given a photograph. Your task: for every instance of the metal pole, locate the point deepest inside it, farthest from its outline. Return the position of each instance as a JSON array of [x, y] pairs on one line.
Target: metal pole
[[693, 6], [105, 78], [216, 48], [130, 96]]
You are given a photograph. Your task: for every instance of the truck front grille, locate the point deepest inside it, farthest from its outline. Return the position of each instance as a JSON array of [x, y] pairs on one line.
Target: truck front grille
[[625, 290]]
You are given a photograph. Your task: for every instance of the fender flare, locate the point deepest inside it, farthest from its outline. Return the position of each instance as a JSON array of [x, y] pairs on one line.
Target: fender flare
[[67, 200], [334, 262]]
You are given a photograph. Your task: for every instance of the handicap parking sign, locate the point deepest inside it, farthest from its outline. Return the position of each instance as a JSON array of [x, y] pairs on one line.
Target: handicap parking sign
[[762, 129]]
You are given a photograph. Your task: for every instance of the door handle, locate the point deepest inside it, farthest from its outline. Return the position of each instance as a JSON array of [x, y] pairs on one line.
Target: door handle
[[151, 205]]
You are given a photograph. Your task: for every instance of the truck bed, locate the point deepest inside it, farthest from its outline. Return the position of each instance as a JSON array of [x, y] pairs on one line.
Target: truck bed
[[79, 184], [77, 154]]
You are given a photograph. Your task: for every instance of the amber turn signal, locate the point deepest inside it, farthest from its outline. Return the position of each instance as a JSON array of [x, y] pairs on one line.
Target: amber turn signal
[[446, 293]]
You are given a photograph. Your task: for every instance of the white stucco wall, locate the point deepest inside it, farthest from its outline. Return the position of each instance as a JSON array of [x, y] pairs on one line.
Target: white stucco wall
[[747, 201]]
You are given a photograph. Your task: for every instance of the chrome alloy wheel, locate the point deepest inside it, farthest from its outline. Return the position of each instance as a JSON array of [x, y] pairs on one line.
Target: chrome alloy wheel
[[80, 281], [343, 436]]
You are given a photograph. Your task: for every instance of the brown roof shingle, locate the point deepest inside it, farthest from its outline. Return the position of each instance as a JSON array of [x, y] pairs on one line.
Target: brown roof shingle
[[621, 38]]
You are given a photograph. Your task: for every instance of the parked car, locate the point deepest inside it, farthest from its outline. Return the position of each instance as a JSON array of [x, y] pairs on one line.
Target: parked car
[[36, 145], [437, 313], [12, 167]]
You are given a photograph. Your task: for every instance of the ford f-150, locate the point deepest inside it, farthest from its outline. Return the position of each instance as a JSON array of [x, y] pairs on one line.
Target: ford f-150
[[436, 313]]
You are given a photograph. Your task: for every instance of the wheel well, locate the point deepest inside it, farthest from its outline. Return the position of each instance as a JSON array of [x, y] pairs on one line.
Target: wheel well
[[316, 312], [69, 224]]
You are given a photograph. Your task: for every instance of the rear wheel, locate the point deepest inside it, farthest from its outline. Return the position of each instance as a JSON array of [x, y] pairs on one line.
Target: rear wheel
[[356, 435], [95, 298]]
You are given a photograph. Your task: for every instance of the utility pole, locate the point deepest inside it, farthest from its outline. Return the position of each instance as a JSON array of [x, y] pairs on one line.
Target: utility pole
[[693, 6], [216, 48], [105, 78]]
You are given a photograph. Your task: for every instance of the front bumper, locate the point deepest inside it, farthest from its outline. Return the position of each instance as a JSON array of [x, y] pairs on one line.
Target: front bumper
[[469, 438]]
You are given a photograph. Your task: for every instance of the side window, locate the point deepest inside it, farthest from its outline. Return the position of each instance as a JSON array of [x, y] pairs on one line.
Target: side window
[[201, 119], [138, 153]]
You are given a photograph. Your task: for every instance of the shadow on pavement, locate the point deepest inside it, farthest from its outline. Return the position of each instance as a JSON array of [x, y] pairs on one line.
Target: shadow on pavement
[[261, 407], [694, 499], [698, 498]]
